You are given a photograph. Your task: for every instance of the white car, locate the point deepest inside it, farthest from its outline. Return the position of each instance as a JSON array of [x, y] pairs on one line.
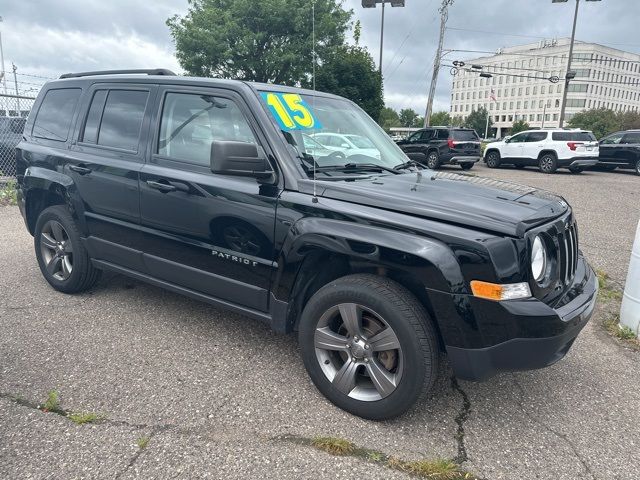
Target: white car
[[547, 149], [348, 144]]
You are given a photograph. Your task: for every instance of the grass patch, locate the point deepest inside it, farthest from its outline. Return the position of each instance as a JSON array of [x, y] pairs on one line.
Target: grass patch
[[143, 442], [438, 469], [8, 194], [623, 333], [334, 446], [52, 404], [80, 418], [607, 291]]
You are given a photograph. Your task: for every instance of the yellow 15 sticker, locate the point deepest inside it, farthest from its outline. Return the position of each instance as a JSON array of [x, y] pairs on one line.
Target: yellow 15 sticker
[[290, 111]]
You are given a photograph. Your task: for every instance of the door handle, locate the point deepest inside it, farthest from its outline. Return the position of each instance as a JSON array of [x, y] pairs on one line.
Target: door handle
[[80, 169], [163, 187]]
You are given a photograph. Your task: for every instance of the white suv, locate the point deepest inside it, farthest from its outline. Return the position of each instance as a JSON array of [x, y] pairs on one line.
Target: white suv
[[549, 150]]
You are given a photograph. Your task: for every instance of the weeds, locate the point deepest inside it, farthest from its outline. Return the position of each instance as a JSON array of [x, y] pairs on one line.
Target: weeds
[[607, 291], [621, 332], [335, 446], [52, 404], [143, 442], [80, 418], [8, 194]]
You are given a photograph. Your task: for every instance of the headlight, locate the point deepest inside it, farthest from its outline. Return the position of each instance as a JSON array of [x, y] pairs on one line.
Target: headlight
[[538, 259]]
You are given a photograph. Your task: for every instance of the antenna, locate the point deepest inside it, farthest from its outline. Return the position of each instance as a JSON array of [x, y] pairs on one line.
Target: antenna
[[313, 80]]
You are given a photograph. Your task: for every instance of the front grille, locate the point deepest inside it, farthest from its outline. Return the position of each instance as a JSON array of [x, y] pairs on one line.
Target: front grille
[[568, 252]]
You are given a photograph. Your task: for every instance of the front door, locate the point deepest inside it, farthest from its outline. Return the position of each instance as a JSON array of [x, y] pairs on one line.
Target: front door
[[207, 232], [515, 148]]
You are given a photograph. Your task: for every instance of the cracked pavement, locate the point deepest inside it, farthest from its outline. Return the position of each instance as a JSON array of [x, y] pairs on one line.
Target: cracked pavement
[[214, 391]]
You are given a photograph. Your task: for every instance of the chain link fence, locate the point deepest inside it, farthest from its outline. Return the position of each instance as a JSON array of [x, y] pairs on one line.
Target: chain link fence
[[14, 110]]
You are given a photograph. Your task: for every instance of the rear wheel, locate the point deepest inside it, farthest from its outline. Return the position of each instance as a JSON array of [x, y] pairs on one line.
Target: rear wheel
[[638, 167], [576, 169], [433, 160], [466, 166], [493, 159], [368, 346], [548, 163], [63, 260]]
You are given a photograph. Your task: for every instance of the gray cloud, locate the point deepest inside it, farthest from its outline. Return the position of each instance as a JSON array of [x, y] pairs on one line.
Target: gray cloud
[[49, 38]]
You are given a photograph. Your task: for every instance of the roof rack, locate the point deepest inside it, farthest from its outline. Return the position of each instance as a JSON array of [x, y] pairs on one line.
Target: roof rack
[[152, 71]]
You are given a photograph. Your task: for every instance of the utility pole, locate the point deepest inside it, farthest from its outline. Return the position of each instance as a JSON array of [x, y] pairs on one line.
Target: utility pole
[[381, 40], [4, 73], [15, 80], [444, 15], [563, 105]]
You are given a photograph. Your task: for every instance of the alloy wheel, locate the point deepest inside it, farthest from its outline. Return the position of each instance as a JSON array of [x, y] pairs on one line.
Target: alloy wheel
[[432, 160], [358, 352], [546, 164], [492, 160], [638, 167], [57, 250]]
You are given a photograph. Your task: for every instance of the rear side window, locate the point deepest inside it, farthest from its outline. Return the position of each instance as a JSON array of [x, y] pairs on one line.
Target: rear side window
[[442, 134], [464, 135], [573, 136], [122, 119], [56, 113], [631, 138]]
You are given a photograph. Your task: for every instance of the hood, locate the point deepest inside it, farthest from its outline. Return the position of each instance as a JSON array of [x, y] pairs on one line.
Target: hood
[[483, 203]]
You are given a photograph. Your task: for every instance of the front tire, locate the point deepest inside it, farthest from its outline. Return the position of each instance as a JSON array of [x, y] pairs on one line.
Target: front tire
[[576, 169], [493, 159], [548, 163], [62, 258], [368, 346], [433, 160]]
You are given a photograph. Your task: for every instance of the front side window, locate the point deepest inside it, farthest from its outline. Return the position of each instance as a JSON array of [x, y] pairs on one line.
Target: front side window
[[191, 122], [56, 113], [519, 138]]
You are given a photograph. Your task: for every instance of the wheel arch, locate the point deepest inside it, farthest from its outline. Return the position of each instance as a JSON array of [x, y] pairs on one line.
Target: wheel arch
[[547, 151], [42, 188]]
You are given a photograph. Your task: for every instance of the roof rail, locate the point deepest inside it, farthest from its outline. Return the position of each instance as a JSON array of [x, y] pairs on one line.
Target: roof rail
[[152, 71]]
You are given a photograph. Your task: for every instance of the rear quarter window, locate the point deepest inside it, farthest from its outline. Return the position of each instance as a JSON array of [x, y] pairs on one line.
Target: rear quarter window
[[55, 114], [464, 135], [573, 136]]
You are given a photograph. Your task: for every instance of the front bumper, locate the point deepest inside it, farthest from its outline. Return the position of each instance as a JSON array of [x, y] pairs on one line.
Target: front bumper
[[529, 353]]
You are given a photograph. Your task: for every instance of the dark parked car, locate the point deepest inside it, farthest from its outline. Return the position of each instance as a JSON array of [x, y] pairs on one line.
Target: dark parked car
[[438, 146], [205, 187], [10, 135], [620, 150]]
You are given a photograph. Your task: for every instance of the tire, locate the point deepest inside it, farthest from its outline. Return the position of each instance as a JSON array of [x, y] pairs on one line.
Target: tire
[[62, 258], [493, 159], [466, 166], [638, 167], [433, 160], [341, 370], [548, 163], [576, 169]]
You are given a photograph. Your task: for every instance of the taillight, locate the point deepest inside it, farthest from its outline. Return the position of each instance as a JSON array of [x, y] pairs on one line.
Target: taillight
[[573, 145], [451, 143]]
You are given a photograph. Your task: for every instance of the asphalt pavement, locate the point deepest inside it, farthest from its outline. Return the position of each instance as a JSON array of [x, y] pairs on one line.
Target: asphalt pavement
[[213, 392]]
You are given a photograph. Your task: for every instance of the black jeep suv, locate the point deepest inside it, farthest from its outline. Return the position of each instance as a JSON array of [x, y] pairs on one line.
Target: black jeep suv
[[206, 187], [437, 146]]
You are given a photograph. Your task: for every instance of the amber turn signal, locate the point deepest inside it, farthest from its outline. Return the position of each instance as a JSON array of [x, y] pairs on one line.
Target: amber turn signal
[[496, 291]]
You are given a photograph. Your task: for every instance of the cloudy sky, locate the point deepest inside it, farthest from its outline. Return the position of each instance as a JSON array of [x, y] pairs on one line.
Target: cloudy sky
[[45, 38]]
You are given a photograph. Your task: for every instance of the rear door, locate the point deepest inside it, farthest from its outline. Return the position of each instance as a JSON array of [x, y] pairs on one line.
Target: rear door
[[629, 151], [105, 160], [207, 232], [609, 146]]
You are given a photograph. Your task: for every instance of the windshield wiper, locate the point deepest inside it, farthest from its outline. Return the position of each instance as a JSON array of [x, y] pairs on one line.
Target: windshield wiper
[[409, 164], [357, 167]]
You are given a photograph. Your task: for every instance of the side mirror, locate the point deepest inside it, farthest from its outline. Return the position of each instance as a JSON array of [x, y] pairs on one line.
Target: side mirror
[[507, 139], [240, 159], [345, 145]]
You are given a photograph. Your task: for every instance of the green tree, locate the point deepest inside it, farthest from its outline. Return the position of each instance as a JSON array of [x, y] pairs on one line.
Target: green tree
[[389, 118], [477, 120], [629, 120], [601, 121], [267, 41], [408, 117], [519, 126], [441, 118], [349, 71]]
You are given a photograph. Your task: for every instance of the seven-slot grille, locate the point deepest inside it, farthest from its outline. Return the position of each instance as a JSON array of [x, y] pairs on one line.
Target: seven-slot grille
[[568, 252]]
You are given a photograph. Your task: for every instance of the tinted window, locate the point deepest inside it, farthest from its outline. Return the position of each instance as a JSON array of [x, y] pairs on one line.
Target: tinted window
[[190, 123], [631, 138], [464, 135], [414, 137], [426, 134], [612, 139], [122, 119], [573, 136], [536, 136], [92, 124], [519, 138], [55, 114], [442, 134]]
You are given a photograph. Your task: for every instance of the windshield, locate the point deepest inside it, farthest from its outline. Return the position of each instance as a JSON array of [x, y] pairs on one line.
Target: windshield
[[331, 132]]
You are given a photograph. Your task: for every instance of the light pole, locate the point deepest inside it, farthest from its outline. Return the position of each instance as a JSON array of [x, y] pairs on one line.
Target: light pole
[[3, 73], [372, 4], [567, 76]]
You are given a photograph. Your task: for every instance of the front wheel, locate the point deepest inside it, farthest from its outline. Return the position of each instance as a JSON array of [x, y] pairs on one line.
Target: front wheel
[[63, 259], [576, 169], [368, 346], [493, 159], [548, 163], [638, 167], [433, 160]]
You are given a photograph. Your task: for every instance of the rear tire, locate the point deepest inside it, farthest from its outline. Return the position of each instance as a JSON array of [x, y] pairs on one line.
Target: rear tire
[[368, 346], [493, 159], [576, 169], [638, 167], [62, 258], [433, 160], [548, 163], [466, 166]]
